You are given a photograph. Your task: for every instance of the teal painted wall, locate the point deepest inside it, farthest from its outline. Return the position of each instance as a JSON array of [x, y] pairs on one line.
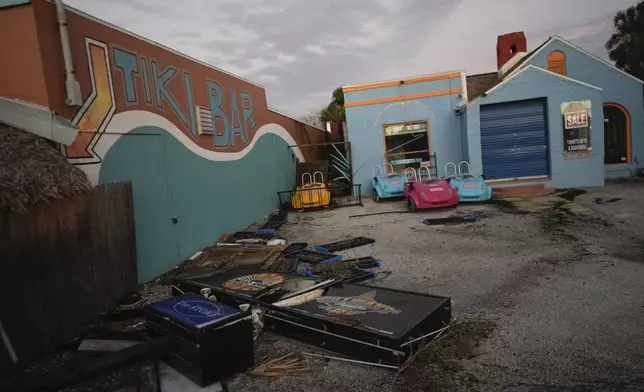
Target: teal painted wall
[[365, 132], [208, 198], [7, 3], [617, 88], [531, 84]]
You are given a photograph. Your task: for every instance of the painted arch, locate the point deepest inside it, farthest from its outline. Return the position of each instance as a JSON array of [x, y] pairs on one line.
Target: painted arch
[[617, 134]]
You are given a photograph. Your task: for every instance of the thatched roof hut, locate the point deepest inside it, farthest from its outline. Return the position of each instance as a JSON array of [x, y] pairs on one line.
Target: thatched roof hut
[[32, 170]]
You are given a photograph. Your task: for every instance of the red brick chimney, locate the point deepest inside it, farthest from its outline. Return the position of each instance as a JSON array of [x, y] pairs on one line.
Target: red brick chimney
[[507, 45]]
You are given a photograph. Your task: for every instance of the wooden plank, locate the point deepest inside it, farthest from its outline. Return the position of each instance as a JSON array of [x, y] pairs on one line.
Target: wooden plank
[[68, 261], [105, 345], [76, 372]]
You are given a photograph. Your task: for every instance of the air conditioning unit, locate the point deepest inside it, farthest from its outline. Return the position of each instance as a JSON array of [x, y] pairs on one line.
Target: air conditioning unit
[[204, 121]]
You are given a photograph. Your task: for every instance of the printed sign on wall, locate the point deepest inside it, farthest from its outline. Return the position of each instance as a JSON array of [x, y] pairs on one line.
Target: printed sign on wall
[[576, 126]]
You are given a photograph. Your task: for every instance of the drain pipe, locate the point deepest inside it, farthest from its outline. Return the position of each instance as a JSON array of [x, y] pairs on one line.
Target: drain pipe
[[74, 97]]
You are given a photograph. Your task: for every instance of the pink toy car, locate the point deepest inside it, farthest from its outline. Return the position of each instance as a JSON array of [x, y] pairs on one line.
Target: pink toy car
[[427, 193]]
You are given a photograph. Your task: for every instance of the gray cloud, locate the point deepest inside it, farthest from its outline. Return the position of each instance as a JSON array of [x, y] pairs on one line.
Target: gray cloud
[[301, 50]]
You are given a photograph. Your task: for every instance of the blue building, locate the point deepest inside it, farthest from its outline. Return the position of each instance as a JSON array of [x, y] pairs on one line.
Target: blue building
[[557, 116]]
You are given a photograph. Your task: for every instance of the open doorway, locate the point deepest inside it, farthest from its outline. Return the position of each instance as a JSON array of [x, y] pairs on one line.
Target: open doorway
[[617, 135]]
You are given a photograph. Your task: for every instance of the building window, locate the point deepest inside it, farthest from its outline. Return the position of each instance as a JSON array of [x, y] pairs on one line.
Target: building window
[[407, 145], [557, 62], [617, 135]]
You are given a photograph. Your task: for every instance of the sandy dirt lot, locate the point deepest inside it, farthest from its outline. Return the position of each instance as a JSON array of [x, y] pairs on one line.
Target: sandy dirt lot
[[563, 283]]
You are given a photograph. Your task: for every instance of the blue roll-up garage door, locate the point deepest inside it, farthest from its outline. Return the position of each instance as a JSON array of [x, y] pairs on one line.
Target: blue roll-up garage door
[[514, 140]]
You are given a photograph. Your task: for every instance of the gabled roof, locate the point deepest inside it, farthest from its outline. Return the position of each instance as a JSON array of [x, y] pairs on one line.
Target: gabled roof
[[582, 50], [480, 83], [526, 57], [534, 67]]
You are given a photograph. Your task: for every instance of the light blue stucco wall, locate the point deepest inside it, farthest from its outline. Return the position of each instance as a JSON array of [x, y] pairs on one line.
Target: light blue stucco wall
[[464, 143], [617, 88], [208, 198], [531, 84], [365, 124]]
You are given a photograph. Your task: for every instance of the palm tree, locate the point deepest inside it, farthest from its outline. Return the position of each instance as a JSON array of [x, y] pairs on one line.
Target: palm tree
[[626, 45]]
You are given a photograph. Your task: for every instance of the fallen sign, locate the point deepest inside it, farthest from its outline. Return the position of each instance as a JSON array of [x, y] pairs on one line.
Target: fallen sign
[[451, 220], [368, 323], [248, 238], [225, 256], [311, 256], [344, 244], [247, 285], [293, 249], [371, 324], [209, 340], [352, 270]]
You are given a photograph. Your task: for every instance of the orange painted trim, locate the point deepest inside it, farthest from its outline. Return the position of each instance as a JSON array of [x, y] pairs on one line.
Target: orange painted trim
[[628, 133], [404, 97], [395, 83]]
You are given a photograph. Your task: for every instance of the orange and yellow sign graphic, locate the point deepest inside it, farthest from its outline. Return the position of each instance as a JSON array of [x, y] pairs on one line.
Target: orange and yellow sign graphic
[[98, 109]]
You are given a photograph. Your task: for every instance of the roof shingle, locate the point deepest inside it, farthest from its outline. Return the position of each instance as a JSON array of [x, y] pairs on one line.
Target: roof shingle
[[480, 83]]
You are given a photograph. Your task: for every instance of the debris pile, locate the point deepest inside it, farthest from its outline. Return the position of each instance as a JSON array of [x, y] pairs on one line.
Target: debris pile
[[224, 296]]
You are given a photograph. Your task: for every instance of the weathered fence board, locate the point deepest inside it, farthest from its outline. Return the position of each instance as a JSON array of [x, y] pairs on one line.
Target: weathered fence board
[[62, 264]]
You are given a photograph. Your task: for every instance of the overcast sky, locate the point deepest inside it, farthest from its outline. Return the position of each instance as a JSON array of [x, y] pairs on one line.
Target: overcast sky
[[300, 50]]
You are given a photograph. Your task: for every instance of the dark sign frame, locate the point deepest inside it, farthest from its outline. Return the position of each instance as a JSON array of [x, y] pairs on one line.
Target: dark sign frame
[[576, 139]]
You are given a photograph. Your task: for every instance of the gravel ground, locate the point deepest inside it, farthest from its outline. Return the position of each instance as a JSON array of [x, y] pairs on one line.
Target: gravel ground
[[560, 285], [564, 289]]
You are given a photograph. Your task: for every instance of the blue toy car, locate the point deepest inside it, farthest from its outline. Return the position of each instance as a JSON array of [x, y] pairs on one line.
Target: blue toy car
[[386, 186], [471, 188]]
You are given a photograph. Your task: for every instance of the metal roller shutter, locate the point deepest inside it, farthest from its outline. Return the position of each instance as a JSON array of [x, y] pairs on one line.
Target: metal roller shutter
[[514, 140]]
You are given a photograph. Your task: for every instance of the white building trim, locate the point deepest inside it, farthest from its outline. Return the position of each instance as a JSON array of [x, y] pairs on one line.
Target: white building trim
[[545, 71], [38, 120], [464, 97], [403, 78]]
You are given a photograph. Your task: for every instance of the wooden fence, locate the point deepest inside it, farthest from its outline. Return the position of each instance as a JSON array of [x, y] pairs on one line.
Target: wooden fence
[[62, 264]]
